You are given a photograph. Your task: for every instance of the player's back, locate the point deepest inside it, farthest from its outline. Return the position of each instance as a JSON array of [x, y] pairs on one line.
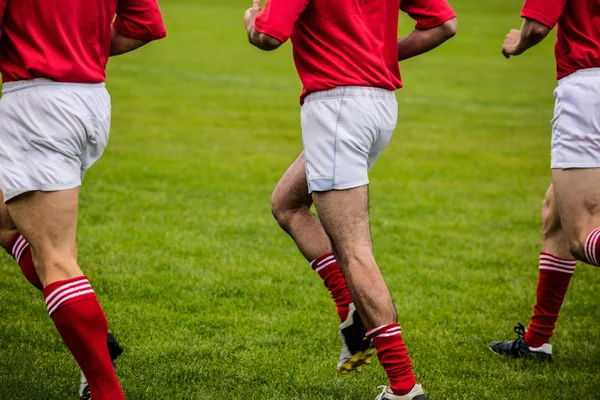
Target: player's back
[[348, 43], [578, 44], [62, 40]]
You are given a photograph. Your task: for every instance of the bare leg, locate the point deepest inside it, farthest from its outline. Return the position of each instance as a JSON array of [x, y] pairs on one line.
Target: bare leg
[[577, 193], [48, 221], [291, 204], [554, 238], [345, 217], [556, 268]]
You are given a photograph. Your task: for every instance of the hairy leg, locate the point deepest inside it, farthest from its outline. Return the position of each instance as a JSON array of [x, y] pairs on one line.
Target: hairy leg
[[291, 204], [577, 193], [345, 217]]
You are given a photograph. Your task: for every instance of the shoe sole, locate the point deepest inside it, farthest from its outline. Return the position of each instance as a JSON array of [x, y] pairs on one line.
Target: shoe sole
[[356, 362]]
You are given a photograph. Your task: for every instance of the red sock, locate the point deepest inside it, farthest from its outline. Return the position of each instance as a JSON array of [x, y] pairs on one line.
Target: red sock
[[393, 357], [592, 248], [555, 276], [328, 269], [21, 251], [73, 306]]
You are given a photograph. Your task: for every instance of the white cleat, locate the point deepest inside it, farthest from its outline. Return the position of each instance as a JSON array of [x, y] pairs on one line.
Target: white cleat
[[416, 393]]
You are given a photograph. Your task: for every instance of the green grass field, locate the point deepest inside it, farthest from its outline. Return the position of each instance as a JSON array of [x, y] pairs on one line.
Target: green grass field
[[212, 301]]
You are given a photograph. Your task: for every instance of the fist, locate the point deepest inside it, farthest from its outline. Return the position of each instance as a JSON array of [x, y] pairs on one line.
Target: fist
[[511, 42], [252, 12]]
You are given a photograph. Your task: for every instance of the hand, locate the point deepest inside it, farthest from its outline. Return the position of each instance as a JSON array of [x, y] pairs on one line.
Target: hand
[[511, 43], [251, 14]]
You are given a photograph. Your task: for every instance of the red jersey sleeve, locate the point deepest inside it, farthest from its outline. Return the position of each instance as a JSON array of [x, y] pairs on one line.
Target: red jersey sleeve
[[545, 11], [428, 13], [139, 19], [278, 18]]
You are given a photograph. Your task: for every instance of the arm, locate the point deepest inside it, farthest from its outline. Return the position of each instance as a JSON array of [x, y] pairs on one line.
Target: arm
[[540, 18], [120, 44], [138, 22], [260, 40], [436, 23], [519, 41], [272, 26], [420, 41]]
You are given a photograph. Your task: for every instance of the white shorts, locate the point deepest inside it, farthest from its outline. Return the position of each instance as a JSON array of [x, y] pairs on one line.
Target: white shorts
[[50, 134], [344, 131], [576, 123]]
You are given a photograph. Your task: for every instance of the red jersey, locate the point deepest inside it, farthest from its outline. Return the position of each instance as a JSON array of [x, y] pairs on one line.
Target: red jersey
[[578, 44], [69, 41], [346, 43]]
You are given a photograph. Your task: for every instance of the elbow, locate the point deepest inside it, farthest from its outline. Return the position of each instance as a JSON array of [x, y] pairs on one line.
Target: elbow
[[538, 33], [534, 31], [268, 43], [262, 41], [449, 28]]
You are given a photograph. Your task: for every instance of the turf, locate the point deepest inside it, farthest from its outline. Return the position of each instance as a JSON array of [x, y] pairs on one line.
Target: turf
[[212, 301]]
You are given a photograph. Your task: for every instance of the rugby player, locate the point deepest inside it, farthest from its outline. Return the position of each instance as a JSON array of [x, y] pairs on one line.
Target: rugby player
[[55, 118], [571, 209], [347, 55]]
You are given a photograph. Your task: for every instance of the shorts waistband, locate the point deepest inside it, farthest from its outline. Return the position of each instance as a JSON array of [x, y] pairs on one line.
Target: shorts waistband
[[352, 91], [588, 72], [12, 87]]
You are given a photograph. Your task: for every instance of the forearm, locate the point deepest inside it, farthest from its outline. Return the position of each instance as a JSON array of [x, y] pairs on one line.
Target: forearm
[[422, 41], [120, 44], [532, 33], [260, 40]]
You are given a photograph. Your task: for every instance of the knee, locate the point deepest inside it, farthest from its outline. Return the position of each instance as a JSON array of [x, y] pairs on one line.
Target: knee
[[577, 246], [7, 227], [577, 241], [359, 256], [283, 211], [550, 218]]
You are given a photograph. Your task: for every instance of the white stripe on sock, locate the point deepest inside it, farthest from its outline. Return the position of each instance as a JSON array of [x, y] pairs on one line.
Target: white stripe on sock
[[314, 263], [566, 263], [63, 287], [387, 334], [590, 246], [20, 255], [18, 247], [382, 328], [551, 264], [64, 293], [325, 265], [51, 311]]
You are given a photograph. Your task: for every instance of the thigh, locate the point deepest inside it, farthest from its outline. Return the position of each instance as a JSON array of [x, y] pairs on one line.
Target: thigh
[[291, 191], [345, 217], [48, 221]]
